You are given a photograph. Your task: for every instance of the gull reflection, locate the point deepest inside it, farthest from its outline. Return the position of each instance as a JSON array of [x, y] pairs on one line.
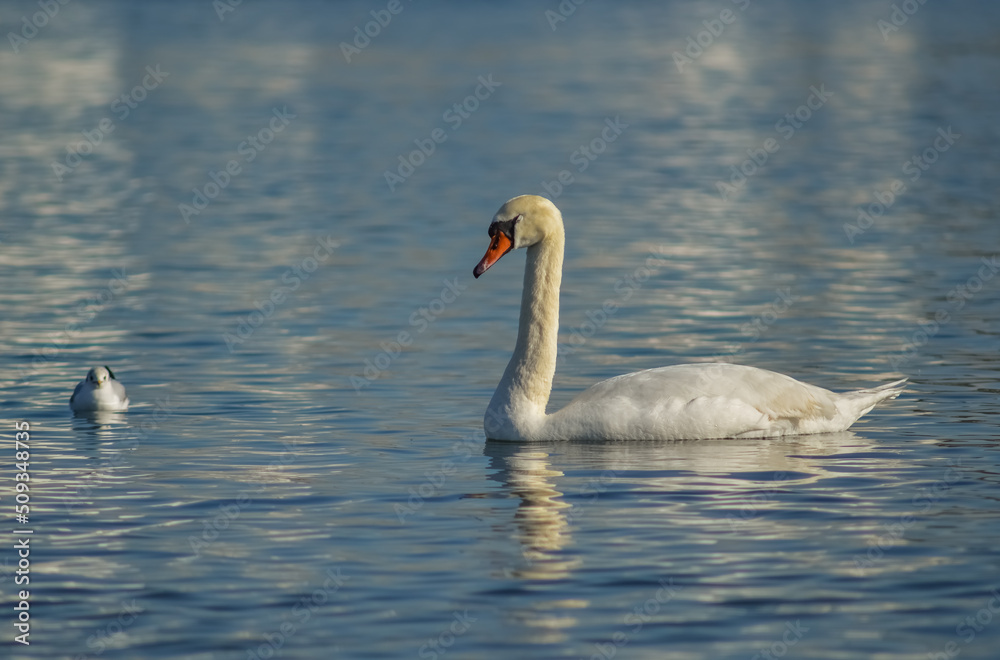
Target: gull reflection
[[98, 424]]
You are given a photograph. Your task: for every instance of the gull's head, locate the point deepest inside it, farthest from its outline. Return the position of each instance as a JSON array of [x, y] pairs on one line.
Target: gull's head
[[99, 375], [521, 222]]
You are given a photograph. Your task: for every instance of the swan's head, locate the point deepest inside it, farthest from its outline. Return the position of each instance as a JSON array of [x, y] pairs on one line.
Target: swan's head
[[521, 222], [99, 375]]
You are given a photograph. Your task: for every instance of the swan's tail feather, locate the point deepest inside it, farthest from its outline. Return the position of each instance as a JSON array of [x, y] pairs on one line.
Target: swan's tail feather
[[862, 401], [882, 392]]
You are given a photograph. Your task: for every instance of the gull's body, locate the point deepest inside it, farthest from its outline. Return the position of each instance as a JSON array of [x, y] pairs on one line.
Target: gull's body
[[100, 390], [689, 401]]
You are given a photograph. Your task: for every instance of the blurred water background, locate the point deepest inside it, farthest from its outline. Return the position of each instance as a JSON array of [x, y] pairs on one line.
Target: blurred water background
[[265, 220]]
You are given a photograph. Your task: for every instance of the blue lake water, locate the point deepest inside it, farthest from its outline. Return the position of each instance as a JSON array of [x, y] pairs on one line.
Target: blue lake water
[[272, 247]]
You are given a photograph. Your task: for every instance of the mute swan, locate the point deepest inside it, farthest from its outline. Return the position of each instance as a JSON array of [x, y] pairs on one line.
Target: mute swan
[[100, 390], [687, 401]]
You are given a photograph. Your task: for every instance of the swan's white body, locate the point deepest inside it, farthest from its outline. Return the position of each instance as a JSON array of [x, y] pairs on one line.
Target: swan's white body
[[689, 401], [100, 390]]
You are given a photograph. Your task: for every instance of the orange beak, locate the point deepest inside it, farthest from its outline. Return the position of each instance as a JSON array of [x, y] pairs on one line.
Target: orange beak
[[499, 246]]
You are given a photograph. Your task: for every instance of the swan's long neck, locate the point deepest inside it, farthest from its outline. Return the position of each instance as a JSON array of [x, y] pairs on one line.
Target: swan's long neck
[[523, 392]]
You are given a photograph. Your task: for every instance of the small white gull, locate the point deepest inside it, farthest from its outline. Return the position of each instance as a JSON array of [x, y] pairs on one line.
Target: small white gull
[[100, 390]]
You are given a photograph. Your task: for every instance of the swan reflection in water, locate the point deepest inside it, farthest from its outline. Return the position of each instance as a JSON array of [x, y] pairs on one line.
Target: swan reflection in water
[[542, 532], [675, 513], [734, 491], [541, 520]]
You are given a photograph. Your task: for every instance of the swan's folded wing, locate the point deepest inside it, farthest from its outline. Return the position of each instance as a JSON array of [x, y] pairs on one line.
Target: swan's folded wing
[[700, 400]]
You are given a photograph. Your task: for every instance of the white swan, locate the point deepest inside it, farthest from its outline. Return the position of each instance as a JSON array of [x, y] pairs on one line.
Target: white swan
[[688, 401]]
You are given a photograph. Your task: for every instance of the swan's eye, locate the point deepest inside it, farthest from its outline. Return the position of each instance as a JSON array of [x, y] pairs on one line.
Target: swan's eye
[[505, 226]]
